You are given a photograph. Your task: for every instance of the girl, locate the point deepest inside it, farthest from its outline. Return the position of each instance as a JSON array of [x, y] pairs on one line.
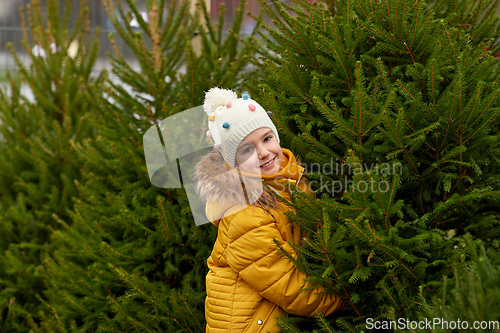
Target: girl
[[250, 281]]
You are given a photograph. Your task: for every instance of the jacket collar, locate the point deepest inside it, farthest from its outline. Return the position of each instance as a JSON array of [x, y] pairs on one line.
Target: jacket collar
[[220, 185], [290, 170]]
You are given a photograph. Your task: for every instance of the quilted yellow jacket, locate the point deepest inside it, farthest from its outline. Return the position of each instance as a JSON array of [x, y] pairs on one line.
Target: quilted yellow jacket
[[250, 281]]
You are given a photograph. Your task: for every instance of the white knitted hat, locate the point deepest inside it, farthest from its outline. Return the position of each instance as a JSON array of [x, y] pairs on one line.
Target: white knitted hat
[[231, 119]]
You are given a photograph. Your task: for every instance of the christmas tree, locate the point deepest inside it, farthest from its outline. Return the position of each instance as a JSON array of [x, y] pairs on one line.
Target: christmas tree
[[38, 165], [393, 107], [468, 301], [133, 258]]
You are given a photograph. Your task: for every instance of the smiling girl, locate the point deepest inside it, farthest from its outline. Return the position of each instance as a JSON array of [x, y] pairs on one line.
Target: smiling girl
[[250, 280]]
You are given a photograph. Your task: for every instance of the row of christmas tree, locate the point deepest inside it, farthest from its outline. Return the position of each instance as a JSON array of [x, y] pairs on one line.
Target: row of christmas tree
[[88, 244]]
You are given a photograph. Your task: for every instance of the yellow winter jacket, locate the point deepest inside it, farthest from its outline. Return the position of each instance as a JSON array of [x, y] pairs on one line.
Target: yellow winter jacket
[[250, 280]]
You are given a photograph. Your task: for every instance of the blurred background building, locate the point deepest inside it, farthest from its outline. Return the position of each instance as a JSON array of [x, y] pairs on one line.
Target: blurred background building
[[11, 31]]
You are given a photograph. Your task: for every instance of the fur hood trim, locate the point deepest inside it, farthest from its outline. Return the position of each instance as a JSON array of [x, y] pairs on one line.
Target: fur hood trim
[[221, 186]]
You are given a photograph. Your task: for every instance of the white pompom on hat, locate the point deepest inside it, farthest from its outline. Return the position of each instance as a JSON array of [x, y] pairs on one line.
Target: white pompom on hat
[[231, 119]]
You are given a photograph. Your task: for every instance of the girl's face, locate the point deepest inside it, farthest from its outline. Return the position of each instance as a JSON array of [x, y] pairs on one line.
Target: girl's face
[[259, 153]]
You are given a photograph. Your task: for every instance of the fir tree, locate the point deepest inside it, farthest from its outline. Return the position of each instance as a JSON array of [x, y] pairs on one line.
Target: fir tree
[[471, 296], [392, 106], [133, 259], [38, 165]]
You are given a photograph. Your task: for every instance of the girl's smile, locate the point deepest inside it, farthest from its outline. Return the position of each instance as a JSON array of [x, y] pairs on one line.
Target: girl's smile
[[259, 153]]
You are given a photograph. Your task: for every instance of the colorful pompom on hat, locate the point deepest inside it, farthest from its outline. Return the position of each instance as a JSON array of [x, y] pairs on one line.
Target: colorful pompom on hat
[[231, 119]]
